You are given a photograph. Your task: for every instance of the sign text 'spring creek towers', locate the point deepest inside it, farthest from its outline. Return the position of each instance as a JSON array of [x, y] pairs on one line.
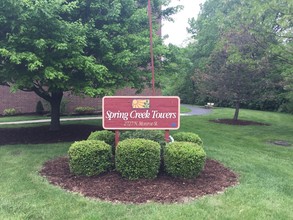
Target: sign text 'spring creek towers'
[[141, 112]]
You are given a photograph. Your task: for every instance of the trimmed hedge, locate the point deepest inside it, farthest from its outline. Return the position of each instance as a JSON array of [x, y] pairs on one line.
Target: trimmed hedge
[[187, 137], [184, 159], [138, 158], [9, 111], [104, 135], [90, 157], [83, 110], [154, 135]]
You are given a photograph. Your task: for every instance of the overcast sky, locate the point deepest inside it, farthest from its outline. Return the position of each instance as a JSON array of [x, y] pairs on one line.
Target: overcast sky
[[177, 30]]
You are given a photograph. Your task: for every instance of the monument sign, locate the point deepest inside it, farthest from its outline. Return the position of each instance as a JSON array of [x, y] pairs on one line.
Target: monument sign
[[141, 112]]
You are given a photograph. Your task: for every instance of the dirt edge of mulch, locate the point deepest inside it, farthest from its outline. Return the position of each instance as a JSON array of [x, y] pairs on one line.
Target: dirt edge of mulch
[[111, 187], [238, 122]]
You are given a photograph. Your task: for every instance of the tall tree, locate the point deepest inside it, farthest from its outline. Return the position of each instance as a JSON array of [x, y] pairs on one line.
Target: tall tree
[[270, 22], [89, 47], [277, 21], [176, 69], [237, 69]]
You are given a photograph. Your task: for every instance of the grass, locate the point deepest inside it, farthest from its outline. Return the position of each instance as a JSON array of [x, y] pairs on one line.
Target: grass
[[184, 109], [264, 190], [38, 117], [21, 118]]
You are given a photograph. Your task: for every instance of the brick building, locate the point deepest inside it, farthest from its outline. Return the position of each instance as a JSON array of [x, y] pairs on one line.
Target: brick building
[[25, 102]]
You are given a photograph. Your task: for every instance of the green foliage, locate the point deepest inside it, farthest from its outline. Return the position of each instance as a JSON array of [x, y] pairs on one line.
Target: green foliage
[[90, 157], [287, 107], [9, 111], [154, 135], [86, 47], [259, 70], [179, 69], [187, 137], [83, 110], [39, 108], [138, 158], [184, 159], [105, 135]]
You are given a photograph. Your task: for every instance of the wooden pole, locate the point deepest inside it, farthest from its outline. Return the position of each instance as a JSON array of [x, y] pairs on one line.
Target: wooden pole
[[167, 134], [117, 136], [151, 46]]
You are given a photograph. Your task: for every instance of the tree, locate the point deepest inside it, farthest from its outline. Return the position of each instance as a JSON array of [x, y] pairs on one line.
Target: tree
[[87, 47], [237, 69], [278, 21], [270, 24], [176, 70], [206, 31]]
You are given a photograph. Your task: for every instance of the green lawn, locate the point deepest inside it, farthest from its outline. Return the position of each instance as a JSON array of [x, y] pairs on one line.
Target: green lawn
[[21, 118], [184, 109], [39, 117], [265, 189]]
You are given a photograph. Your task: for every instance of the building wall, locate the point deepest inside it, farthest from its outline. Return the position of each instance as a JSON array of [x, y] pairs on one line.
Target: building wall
[[25, 102], [21, 101]]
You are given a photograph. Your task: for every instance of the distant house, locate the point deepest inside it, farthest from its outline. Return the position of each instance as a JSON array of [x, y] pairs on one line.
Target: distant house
[[25, 102]]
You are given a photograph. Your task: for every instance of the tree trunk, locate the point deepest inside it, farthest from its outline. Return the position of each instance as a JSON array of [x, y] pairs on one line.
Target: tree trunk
[[237, 108], [55, 102]]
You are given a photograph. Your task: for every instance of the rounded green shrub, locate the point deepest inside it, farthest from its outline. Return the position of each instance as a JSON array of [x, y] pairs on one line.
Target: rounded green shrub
[[184, 159], [83, 110], [9, 111], [187, 137], [104, 135], [138, 158], [154, 135], [90, 157]]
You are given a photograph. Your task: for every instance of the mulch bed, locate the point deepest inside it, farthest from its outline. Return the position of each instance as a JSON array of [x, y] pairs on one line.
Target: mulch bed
[[111, 186], [282, 143], [164, 189], [238, 122]]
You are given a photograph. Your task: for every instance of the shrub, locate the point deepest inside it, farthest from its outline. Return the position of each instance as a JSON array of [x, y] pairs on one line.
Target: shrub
[[187, 137], [154, 135], [90, 157], [138, 158], [39, 108], [84, 110], [104, 135], [184, 159], [9, 111]]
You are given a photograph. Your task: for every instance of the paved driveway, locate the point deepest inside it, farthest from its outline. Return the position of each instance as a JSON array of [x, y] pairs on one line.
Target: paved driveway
[[195, 110]]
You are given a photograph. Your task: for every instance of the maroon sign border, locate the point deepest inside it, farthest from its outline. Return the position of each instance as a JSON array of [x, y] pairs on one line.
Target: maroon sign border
[[141, 128]]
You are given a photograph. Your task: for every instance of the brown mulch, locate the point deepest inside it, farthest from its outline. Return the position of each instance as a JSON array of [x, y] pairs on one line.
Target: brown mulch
[[238, 122], [214, 178], [164, 189], [282, 143]]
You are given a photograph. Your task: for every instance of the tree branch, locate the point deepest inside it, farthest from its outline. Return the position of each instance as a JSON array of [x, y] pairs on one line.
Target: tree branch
[[42, 93]]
